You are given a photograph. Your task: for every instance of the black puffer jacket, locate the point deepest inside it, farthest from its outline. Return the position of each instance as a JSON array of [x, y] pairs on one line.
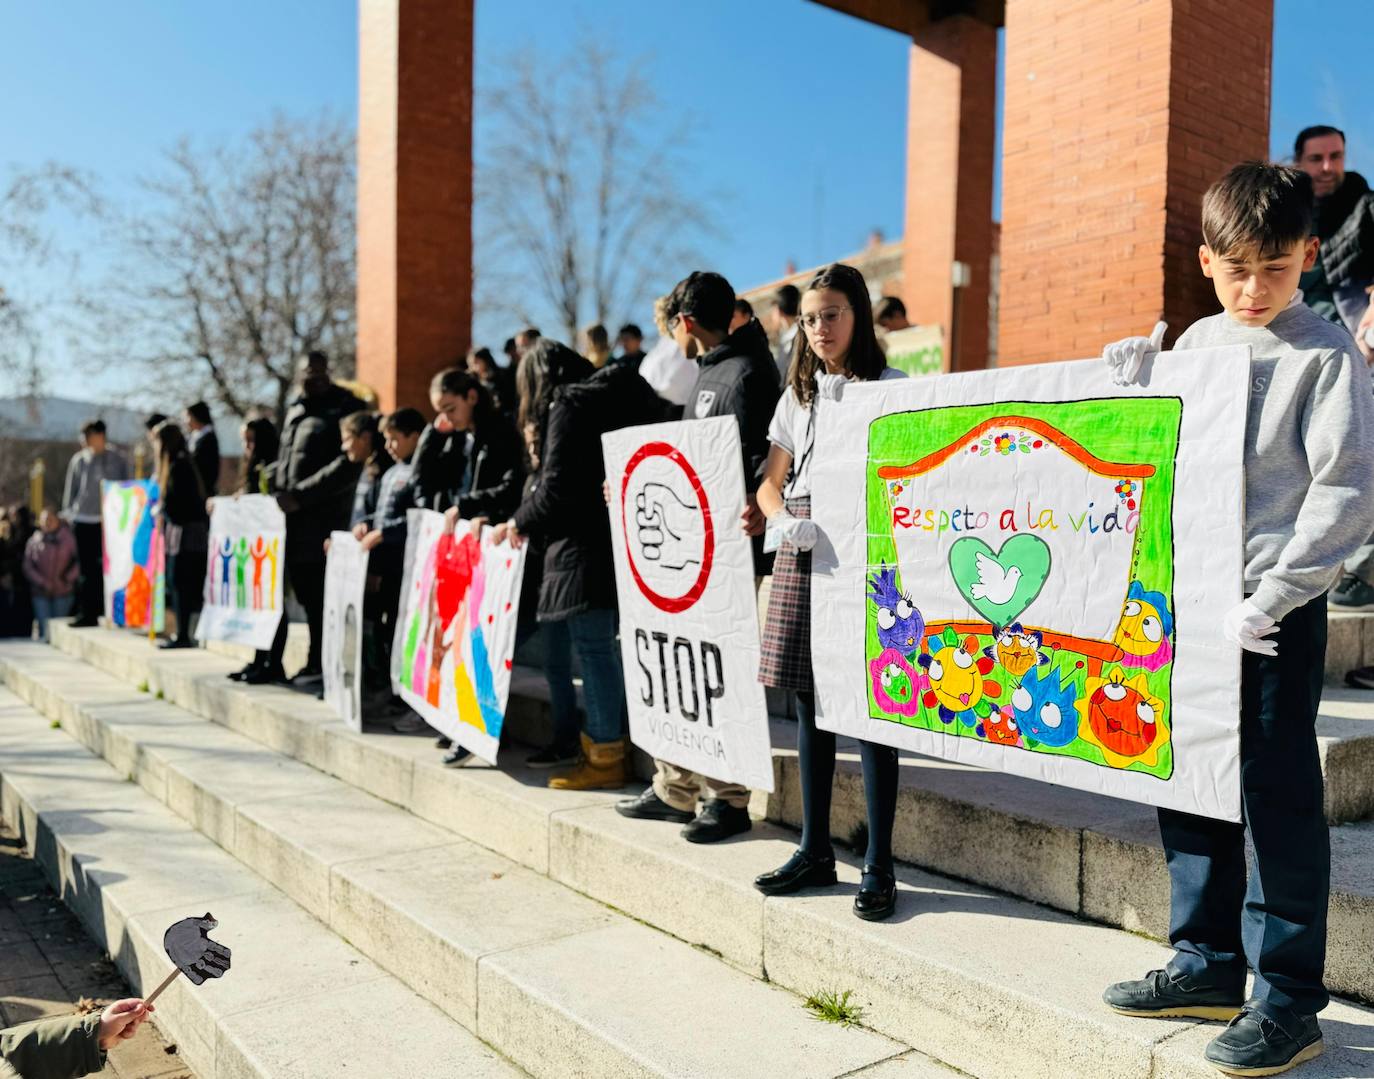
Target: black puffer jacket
[[498, 471], [1345, 223], [312, 468], [739, 378], [565, 511]]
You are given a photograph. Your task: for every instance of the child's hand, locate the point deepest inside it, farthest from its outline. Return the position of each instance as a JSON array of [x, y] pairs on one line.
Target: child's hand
[[751, 520], [1248, 626], [1125, 357], [800, 532], [506, 531], [360, 530], [121, 1020], [371, 540], [450, 520]]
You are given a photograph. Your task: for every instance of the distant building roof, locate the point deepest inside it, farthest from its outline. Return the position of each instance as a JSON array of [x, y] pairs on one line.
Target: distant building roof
[[58, 419]]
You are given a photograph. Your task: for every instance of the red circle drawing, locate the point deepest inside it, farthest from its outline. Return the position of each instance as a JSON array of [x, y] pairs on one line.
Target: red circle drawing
[[671, 604]]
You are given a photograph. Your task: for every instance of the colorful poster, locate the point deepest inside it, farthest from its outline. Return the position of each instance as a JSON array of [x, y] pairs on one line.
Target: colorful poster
[[684, 569], [244, 571], [345, 580], [134, 560], [1026, 569], [455, 634]]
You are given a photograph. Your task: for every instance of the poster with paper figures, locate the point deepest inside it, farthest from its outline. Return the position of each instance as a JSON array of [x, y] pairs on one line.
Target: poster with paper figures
[[1026, 569], [244, 570], [455, 634], [345, 581], [133, 558], [689, 632]]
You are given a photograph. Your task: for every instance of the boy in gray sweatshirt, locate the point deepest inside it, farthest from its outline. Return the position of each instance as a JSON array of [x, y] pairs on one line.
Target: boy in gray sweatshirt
[[1309, 503]]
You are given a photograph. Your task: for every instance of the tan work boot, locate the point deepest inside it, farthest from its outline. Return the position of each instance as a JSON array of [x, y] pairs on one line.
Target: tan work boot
[[602, 768]]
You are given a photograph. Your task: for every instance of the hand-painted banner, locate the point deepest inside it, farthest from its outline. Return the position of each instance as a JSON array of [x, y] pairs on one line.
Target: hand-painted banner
[[1040, 583], [455, 634], [345, 581], [684, 570], [134, 561], [243, 577]]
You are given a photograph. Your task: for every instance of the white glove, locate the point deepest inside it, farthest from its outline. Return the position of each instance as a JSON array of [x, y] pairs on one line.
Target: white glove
[[1248, 626], [1125, 357], [800, 532], [830, 386]]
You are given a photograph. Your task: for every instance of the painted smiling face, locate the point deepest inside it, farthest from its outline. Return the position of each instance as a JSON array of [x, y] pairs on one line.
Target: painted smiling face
[[900, 624], [1017, 649], [956, 675], [895, 684], [1000, 727], [1145, 628], [1043, 707], [1123, 718]]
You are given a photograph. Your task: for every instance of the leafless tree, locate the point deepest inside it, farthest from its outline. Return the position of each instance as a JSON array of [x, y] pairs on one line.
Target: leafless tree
[[243, 264], [581, 189], [30, 255]]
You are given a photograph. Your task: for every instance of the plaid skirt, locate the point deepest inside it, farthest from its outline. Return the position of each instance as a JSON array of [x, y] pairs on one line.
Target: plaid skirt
[[785, 655]]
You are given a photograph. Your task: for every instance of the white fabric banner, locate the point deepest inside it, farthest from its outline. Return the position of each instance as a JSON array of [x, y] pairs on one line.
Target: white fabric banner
[[1025, 569], [345, 581], [684, 571], [244, 570], [455, 631]]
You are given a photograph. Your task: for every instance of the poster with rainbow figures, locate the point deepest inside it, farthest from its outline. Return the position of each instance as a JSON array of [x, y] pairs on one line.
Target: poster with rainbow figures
[[244, 569], [133, 560], [455, 634], [1026, 569]]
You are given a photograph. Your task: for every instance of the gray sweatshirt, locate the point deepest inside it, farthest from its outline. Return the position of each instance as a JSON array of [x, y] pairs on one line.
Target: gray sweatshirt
[[81, 494], [1309, 452]]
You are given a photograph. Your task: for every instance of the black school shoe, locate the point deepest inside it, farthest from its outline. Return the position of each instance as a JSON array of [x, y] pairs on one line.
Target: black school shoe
[[800, 871], [262, 676], [877, 897], [1352, 594], [1164, 996], [649, 806], [1256, 1044], [717, 820]]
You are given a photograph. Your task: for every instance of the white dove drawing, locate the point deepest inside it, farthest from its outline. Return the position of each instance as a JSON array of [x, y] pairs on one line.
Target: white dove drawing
[[995, 584]]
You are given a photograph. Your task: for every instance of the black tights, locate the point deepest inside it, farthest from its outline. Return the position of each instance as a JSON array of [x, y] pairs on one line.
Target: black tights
[[816, 755]]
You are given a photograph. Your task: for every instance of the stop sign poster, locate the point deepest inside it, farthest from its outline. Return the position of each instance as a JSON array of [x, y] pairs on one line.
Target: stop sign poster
[[684, 572]]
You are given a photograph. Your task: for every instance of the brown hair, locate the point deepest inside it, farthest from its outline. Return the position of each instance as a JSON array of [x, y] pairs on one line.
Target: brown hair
[[865, 359], [1257, 206]]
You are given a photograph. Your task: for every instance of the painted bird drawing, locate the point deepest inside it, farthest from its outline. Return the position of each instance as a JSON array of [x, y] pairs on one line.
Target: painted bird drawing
[[994, 584]]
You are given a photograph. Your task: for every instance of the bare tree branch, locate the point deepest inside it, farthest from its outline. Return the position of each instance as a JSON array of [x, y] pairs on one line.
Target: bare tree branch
[[240, 261]]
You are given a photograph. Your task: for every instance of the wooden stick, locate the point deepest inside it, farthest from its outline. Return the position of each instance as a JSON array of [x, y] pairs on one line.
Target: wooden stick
[[165, 983]]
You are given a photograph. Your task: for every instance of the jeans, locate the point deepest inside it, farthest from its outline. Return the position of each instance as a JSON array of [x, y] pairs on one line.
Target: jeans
[[603, 681], [49, 607], [1278, 922], [816, 757], [89, 553], [557, 645]]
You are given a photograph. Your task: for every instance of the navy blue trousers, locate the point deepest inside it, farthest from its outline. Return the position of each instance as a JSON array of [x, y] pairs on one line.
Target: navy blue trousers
[[1276, 923]]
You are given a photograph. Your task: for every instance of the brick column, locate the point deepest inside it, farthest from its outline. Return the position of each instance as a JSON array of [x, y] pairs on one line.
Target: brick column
[[950, 146], [1111, 135], [414, 193]]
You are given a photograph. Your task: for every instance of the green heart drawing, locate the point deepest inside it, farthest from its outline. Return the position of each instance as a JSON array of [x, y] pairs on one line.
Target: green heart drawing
[[1003, 584]]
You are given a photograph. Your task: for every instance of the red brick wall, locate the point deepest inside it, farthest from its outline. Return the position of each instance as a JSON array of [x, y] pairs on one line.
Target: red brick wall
[[950, 147], [414, 193], [1118, 114]]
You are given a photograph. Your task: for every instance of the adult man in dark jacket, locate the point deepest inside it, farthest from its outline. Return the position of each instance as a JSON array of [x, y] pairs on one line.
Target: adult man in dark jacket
[[203, 443], [1337, 287], [314, 483], [737, 377]]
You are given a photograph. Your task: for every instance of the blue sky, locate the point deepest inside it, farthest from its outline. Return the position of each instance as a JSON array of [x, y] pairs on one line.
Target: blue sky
[[797, 111]]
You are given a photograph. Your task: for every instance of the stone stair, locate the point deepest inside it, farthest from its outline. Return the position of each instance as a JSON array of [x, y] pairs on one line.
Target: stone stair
[[987, 983]]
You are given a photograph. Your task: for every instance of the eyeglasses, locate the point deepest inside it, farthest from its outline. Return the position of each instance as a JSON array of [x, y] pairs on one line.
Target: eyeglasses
[[828, 315]]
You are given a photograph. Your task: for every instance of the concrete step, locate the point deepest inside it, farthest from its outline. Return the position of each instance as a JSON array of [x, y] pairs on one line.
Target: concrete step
[[556, 974], [955, 973], [298, 1002]]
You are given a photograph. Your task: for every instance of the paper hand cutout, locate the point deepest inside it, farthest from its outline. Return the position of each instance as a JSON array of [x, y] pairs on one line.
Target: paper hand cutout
[[193, 952]]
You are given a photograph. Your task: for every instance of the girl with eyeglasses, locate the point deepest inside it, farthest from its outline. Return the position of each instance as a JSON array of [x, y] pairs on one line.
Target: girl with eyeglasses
[[837, 342]]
